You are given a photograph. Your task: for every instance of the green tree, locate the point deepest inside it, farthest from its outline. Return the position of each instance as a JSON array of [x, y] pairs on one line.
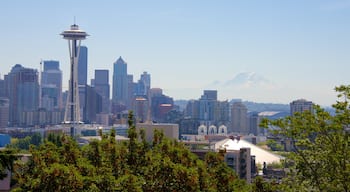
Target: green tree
[[259, 185], [7, 158], [24, 143], [321, 146], [133, 144], [135, 165], [55, 138], [36, 139], [274, 146], [222, 177]]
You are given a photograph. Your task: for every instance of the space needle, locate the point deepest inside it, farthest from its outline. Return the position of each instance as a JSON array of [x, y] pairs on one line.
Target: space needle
[[72, 113]]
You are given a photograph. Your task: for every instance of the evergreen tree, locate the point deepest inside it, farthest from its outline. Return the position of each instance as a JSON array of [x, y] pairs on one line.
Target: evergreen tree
[[107, 165], [321, 147]]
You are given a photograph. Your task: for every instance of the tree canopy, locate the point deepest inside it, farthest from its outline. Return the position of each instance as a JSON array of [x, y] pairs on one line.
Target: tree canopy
[[136, 165], [321, 147]]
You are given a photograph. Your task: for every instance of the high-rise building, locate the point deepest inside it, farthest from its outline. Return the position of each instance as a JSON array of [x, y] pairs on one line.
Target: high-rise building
[[2, 88], [160, 106], [23, 92], [155, 92], [222, 112], [300, 106], [210, 94], [206, 111], [141, 108], [120, 82], [51, 86], [207, 104], [144, 84], [101, 84], [239, 118], [132, 89], [82, 65], [82, 76], [93, 105], [253, 123], [4, 112]]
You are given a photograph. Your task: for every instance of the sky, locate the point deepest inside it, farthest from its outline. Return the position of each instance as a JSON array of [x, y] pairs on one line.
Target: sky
[[258, 50]]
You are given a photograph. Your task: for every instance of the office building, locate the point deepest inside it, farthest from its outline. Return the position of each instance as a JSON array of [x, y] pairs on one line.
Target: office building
[[4, 112], [253, 123], [160, 106], [51, 86], [82, 65], [92, 106], [144, 84], [2, 88], [23, 92], [155, 92], [132, 89], [120, 82], [300, 106], [141, 109], [222, 112], [192, 109], [101, 85], [210, 95], [239, 118], [82, 76], [206, 111]]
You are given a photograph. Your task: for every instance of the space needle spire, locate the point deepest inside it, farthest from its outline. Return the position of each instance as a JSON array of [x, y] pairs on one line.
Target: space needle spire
[[72, 113]]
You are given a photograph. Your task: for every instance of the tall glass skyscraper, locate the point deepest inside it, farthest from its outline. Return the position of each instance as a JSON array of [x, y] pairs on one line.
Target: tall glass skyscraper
[[2, 88], [144, 84], [120, 82], [82, 65], [82, 77], [51, 86], [23, 92], [101, 84]]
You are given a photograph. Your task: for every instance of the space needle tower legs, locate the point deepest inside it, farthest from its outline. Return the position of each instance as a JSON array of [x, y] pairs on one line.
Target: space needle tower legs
[[72, 113]]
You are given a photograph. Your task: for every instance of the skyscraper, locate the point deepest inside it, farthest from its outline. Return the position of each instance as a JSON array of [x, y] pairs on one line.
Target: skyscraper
[[82, 76], [93, 105], [120, 82], [82, 65], [210, 94], [2, 88], [207, 104], [51, 86], [239, 118], [160, 105], [23, 92], [101, 84], [132, 89], [144, 84], [4, 112], [141, 108]]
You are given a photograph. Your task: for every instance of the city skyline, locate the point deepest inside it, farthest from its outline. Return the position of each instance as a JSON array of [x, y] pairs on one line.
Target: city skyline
[[258, 51]]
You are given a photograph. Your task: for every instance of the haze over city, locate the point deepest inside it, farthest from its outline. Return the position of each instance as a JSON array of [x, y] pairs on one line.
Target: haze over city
[[264, 51]]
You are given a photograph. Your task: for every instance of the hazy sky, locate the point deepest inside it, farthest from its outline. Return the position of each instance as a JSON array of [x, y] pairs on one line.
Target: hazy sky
[[263, 51]]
